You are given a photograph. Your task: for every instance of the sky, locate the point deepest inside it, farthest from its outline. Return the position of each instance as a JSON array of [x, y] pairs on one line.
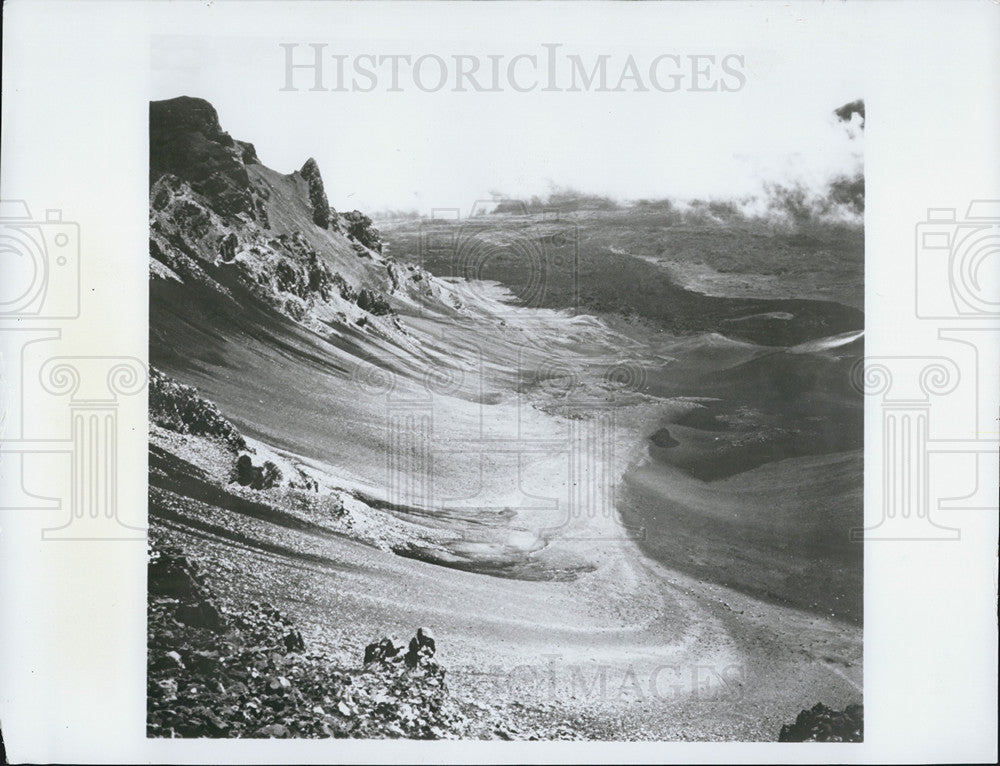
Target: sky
[[413, 149]]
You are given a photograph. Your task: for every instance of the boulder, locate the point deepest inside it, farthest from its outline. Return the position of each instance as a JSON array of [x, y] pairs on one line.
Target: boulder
[[663, 439], [227, 247], [384, 650], [421, 648], [373, 302], [246, 474], [244, 470], [425, 638], [823, 724]]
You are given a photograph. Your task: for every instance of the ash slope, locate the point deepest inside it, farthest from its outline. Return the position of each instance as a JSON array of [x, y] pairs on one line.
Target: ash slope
[[325, 351], [751, 475]]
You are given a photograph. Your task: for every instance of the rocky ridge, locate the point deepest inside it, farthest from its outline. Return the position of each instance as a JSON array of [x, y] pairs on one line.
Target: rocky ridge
[[222, 220]]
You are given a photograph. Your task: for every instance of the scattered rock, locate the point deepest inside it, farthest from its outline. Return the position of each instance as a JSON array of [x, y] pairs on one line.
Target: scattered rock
[[251, 676], [382, 650], [179, 408], [274, 730], [167, 688], [373, 302], [359, 226]]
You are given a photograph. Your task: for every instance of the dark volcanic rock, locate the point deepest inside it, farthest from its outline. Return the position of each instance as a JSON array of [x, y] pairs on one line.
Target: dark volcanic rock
[[244, 470], [180, 408], [373, 302], [663, 439], [186, 140], [201, 615], [823, 724], [383, 650], [360, 227], [317, 194], [425, 638], [388, 651], [227, 247], [248, 152], [421, 648], [173, 576], [845, 112], [246, 474]]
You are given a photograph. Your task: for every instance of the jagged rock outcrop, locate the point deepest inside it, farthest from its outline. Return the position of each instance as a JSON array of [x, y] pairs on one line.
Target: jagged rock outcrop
[[220, 220], [388, 650], [317, 194], [186, 140], [824, 724], [180, 408], [373, 303], [359, 226]]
